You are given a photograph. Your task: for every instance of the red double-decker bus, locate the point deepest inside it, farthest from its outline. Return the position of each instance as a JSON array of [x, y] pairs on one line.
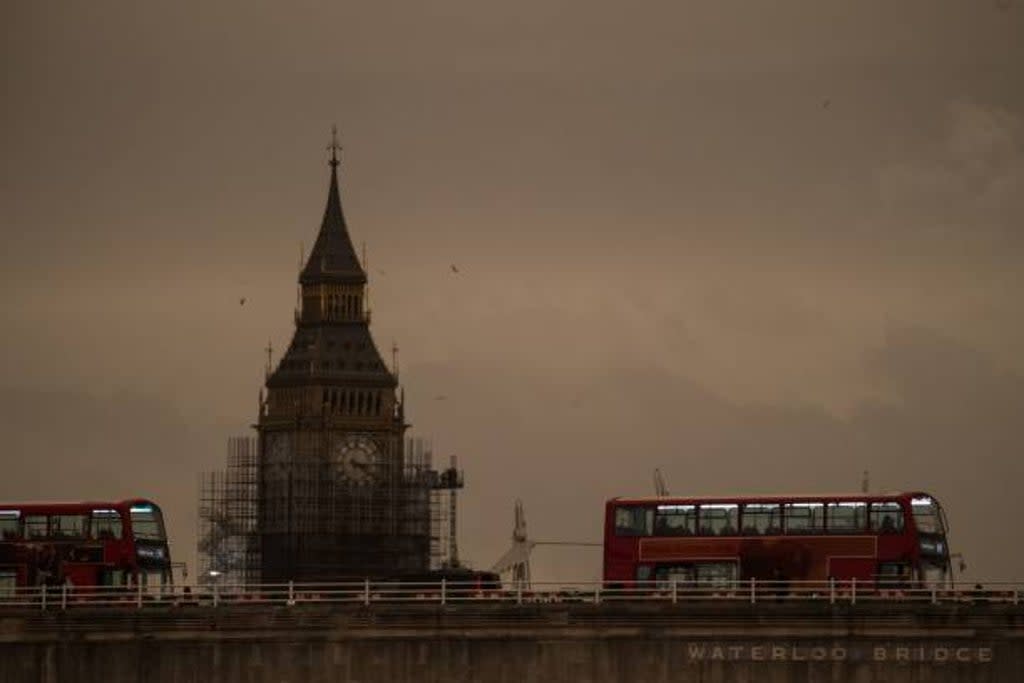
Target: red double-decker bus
[[84, 544], [894, 540]]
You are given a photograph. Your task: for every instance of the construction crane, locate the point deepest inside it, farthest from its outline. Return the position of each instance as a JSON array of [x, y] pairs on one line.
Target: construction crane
[[660, 488], [516, 560]]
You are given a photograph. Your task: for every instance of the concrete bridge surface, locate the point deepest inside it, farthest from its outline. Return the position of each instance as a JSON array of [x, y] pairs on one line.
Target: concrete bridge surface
[[427, 643]]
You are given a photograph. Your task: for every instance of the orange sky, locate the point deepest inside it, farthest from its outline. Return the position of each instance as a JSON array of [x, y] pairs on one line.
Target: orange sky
[[762, 246]]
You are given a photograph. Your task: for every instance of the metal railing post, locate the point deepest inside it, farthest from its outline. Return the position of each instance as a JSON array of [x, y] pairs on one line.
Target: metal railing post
[[519, 593], [832, 590], [935, 595], [853, 591], [1016, 596], [291, 592], [597, 594], [42, 602], [138, 596], [63, 596], [675, 590], [444, 591], [753, 590], [216, 595], [366, 591]]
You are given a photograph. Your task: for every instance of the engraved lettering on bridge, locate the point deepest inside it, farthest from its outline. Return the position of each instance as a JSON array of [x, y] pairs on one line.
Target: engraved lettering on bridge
[[896, 653]]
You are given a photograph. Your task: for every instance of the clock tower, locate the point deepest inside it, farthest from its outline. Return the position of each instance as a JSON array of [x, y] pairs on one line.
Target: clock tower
[[336, 498]]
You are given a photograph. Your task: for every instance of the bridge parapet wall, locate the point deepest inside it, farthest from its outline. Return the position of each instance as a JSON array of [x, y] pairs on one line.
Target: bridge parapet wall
[[501, 642]]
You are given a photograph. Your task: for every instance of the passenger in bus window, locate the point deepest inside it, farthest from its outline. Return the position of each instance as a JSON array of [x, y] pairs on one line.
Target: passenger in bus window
[[888, 525]]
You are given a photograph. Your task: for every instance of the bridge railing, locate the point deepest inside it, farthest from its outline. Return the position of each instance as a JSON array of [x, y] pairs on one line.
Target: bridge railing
[[369, 592]]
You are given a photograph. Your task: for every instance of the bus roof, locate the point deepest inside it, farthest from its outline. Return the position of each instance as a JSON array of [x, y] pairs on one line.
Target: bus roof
[[57, 506], [771, 498]]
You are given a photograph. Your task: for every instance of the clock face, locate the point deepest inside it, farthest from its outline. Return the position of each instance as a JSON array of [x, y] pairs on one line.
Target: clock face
[[354, 458]]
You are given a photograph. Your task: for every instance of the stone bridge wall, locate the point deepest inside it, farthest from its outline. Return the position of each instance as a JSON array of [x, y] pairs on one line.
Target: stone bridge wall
[[710, 643]]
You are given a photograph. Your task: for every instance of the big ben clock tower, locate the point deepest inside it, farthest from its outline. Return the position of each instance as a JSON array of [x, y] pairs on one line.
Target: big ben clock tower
[[336, 499]]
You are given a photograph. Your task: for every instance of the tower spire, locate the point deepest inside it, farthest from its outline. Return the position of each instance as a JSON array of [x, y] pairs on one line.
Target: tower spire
[[333, 258], [334, 148]]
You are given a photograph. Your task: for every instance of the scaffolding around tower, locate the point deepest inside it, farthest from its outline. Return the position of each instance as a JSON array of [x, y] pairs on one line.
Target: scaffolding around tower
[[232, 504], [229, 550], [444, 549]]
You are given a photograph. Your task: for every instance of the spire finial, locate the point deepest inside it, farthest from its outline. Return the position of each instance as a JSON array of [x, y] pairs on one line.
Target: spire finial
[[334, 147]]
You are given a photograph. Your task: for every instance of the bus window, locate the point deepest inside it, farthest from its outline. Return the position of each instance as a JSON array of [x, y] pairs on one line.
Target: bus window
[[666, 575], [804, 518], [10, 525], [106, 524], [35, 526], [634, 521], [926, 515], [719, 519], [847, 517], [8, 582], [67, 526], [147, 522], [675, 520], [114, 577], [893, 574], [932, 574], [761, 519], [716, 574], [887, 518]]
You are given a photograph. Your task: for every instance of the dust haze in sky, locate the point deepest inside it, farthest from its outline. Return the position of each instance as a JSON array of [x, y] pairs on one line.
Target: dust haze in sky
[[762, 246]]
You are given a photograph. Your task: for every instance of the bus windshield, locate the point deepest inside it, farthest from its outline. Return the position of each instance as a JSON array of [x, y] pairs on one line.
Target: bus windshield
[[147, 522], [926, 515]]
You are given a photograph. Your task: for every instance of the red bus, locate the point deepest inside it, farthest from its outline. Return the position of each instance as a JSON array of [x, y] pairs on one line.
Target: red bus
[[84, 544], [894, 540]]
